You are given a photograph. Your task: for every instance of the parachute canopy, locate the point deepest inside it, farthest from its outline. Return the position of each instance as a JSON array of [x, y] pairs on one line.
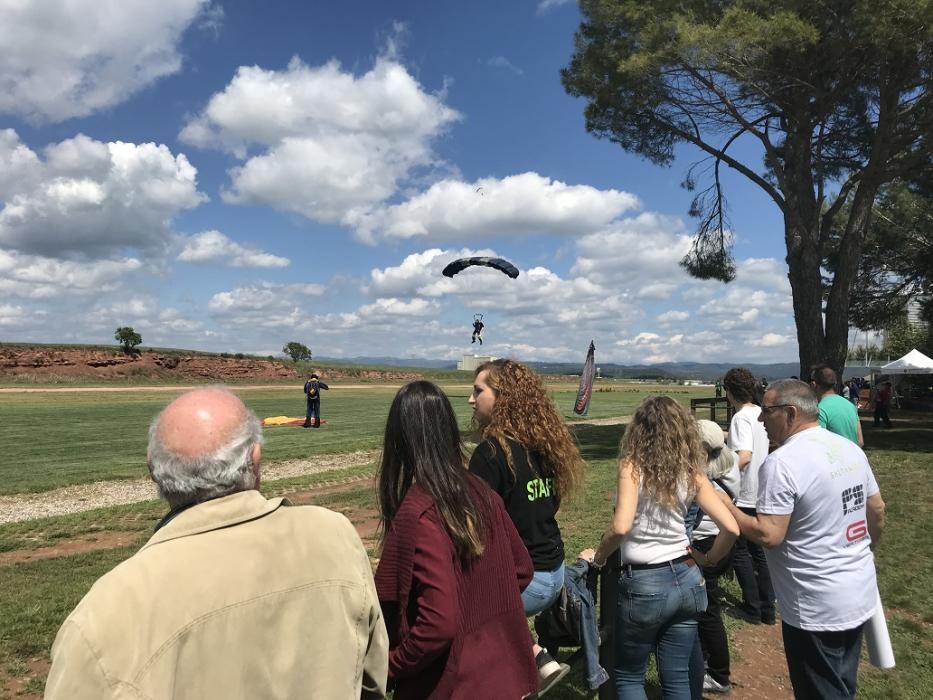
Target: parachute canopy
[[497, 263]]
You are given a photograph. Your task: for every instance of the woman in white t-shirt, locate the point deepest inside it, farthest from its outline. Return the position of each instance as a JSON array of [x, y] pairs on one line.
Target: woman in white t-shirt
[[661, 589], [749, 440]]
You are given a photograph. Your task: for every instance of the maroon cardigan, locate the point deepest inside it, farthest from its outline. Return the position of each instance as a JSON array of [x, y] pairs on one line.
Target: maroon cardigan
[[454, 631]]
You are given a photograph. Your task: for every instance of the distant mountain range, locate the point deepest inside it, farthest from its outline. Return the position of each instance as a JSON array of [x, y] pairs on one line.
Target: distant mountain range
[[665, 370]]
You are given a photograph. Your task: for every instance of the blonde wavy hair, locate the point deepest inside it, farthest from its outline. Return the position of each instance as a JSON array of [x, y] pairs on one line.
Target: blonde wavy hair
[[664, 448], [525, 413]]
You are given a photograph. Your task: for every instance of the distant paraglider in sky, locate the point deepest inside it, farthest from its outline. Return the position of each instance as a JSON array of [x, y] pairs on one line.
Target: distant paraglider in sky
[[500, 264]]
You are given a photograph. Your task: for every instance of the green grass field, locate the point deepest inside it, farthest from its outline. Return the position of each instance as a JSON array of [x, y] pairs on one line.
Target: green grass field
[[54, 439], [38, 595]]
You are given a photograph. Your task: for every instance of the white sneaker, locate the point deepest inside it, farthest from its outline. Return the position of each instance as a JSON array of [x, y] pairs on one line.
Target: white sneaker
[[711, 685], [550, 672]]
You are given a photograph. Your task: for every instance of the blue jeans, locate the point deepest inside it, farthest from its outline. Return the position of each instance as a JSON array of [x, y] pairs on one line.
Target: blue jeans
[[751, 571], [542, 591], [658, 611], [822, 665]]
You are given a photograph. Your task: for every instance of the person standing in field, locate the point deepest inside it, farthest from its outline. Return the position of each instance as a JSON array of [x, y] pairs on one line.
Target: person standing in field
[[837, 414], [819, 516], [882, 403], [313, 389], [661, 589], [748, 439], [528, 456], [235, 596], [722, 469], [452, 566]]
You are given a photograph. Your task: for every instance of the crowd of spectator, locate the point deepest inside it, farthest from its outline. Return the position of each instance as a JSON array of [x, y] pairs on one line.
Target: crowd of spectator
[[241, 596]]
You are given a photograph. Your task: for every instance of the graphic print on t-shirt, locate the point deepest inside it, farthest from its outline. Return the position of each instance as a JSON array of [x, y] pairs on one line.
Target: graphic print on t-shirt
[[853, 499], [539, 488]]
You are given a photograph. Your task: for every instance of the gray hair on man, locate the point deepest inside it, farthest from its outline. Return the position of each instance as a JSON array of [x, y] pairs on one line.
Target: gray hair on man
[[794, 392], [186, 479]]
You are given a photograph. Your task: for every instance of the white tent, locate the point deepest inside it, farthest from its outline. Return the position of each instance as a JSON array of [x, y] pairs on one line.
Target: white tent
[[914, 362]]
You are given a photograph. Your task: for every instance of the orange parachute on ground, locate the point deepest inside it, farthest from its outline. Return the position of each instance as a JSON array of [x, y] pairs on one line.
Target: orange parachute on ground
[[273, 421]]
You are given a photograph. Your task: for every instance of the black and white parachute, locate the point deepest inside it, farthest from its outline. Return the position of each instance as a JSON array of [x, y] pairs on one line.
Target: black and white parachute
[[500, 264]]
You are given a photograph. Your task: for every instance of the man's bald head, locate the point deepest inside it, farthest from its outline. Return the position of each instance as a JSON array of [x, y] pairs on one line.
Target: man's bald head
[[203, 445], [200, 421]]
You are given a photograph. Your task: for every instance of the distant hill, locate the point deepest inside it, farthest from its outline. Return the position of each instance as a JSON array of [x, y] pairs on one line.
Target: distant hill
[[389, 362], [672, 370], [665, 370], [163, 363]]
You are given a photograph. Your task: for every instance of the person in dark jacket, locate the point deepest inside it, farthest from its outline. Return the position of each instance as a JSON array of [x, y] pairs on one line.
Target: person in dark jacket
[[313, 389], [477, 331], [529, 458], [453, 566]]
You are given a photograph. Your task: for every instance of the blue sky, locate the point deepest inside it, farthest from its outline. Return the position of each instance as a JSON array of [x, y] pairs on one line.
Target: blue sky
[[235, 175]]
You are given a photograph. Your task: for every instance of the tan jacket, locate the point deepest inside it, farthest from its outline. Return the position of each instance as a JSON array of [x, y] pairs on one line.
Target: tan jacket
[[239, 597]]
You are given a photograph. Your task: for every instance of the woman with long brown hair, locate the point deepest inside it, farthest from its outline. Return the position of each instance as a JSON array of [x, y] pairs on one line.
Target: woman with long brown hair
[[452, 567], [661, 589], [528, 456]]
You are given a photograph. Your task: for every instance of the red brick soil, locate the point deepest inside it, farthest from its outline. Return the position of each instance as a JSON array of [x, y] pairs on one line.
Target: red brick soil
[[107, 363]]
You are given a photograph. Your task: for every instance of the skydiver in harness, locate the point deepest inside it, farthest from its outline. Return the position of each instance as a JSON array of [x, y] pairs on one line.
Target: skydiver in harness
[[477, 328], [313, 393]]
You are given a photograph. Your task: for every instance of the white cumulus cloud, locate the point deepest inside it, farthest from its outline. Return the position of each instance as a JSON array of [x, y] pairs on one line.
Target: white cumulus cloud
[[673, 316], [63, 59], [545, 6], [319, 140], [213, 246], [37, 277], [397, 307], [641, 253], [517, 204], [90, 198], [771, 340]]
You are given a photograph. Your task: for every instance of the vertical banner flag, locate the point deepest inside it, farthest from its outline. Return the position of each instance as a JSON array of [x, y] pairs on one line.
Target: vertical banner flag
[[582, 404]]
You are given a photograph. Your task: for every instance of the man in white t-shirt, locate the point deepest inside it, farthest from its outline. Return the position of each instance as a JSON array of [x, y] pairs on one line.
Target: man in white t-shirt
[[819, 514], [748, 439]]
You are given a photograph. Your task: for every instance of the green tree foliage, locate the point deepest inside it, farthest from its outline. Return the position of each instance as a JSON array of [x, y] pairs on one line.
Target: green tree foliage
[[297, 351], [127, 337], [897, 258], [863, 352], [901, 337], [834, 94]]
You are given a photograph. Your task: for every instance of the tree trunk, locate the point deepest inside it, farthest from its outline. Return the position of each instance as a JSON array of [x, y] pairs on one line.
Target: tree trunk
[[837, 303], [803, 263]]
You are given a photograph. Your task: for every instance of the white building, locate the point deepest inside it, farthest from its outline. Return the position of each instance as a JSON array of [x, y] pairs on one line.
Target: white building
[[469, 363], [914, 314]]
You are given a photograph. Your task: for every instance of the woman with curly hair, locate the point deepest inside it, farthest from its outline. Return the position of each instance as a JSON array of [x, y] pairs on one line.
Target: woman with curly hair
[[661, 589], [452, 565], [528, 456]]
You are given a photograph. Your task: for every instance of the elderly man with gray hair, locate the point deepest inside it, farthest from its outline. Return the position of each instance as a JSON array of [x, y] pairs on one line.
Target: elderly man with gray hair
[[235, 595], [819, 515]]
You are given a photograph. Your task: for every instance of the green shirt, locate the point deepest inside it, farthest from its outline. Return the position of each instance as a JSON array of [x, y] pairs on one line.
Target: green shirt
[[838, 415]]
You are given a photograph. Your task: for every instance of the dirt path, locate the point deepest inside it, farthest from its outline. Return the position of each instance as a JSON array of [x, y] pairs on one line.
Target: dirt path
[[76, 545], [75, 499], [100, 494], [759, 671], [615, 420]]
